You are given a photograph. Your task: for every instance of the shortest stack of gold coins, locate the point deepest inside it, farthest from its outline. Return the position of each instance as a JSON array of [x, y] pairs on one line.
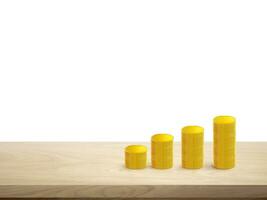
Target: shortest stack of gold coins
[[135, 157], [192, 148]]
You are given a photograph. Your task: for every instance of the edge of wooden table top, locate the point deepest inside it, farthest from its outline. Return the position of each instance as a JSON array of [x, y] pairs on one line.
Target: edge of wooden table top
[[96, 170]]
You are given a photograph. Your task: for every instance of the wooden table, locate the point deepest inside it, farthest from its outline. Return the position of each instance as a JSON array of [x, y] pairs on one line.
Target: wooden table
[[96, 170]]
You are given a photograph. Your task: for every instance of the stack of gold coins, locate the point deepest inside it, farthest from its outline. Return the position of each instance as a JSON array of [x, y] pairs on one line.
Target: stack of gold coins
[[162, 151], [224, 142], [135, 157], [192, 147]]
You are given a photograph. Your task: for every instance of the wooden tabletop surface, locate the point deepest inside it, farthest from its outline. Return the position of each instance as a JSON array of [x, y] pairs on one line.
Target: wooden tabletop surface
[[96, 170]]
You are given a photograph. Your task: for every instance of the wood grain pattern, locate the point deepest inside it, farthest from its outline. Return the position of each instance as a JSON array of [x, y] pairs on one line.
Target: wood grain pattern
[[96, 170]]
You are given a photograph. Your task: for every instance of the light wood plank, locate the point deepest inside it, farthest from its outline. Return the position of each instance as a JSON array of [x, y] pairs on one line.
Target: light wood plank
[[96, 170]]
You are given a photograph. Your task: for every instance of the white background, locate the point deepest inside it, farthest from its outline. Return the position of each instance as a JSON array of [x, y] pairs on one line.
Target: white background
[[124, 70]]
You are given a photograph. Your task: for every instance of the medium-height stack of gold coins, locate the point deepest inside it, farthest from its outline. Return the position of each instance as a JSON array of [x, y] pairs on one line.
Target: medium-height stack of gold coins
[[162, 151], [192, 148]]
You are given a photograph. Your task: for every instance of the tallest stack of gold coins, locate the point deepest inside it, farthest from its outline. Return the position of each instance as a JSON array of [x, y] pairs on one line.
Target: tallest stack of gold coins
[[192, 147], [224, 142]]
